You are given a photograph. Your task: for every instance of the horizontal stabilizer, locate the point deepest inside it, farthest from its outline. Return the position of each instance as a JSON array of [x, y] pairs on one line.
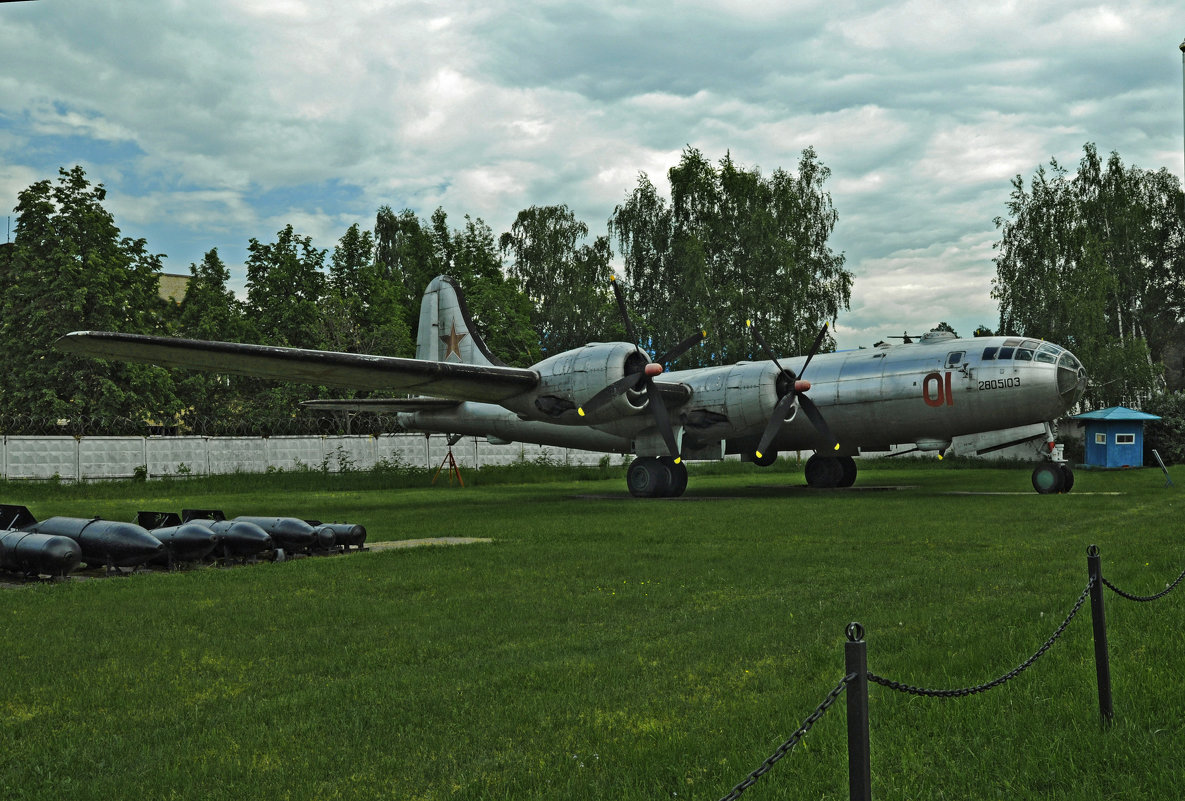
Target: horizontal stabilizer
[[382, 405]]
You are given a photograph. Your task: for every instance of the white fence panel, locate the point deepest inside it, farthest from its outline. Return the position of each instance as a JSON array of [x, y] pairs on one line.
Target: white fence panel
[[237, 455], [110, 457], [40, 457], [295, 453], [173, 456]]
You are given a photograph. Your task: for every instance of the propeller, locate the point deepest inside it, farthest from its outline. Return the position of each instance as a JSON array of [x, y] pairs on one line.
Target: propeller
[[644, 379], [797, 391]]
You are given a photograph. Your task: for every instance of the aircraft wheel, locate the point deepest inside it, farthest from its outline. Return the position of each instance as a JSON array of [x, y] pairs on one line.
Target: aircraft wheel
[[1067, 476], [1048, 479], [647, 478], [823, 472], [766, 459], [678, 474], [848, 465]]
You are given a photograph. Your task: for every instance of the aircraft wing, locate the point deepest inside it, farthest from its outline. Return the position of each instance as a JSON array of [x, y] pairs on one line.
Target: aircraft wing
[[381, 405], [452, 380]]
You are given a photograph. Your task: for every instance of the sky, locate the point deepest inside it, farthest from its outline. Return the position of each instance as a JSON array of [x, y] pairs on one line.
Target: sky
[[213, 122]]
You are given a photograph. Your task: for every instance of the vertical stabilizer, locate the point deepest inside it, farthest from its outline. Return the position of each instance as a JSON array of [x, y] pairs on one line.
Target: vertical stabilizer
[[446, 332]]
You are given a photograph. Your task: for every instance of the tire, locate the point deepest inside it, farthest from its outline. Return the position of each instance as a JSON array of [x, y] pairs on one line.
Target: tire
[[647, 478], [823, 472], [1067, 476], [678, 474], [848, 466], [1048, 479]]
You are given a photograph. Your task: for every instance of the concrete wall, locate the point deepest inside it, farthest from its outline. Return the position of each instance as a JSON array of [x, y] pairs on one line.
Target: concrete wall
[[73, 458]]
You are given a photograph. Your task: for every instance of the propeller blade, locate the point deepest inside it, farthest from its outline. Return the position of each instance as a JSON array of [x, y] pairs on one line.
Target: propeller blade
[[761, 341], [662, 420], [629, 328], [812, 412], [682, 347], [775, 422], [610, 393], [814, 348]]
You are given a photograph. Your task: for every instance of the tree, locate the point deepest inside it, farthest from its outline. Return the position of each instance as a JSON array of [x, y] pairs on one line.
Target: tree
[[566, 279], [411, 252], [285, 283], [363, 310], [209, 311], [733, 245], [70, 269], [1095, 262]]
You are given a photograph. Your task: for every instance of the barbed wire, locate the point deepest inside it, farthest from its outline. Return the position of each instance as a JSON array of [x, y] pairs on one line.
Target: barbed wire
[[1144, 598], [244, 425], [1016, 671]]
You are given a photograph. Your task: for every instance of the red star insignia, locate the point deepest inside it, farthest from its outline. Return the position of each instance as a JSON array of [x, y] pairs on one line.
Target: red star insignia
[[453, 341]]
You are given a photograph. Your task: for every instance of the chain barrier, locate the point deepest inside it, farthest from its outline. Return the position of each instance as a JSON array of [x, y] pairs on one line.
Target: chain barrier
[[906, 688], [1144, 598], [787, 746]]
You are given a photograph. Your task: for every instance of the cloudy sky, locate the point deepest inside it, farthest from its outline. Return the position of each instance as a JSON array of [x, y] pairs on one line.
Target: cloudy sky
[[212, 122]]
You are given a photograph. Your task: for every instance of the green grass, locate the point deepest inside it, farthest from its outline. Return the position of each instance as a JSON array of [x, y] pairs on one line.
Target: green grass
[[603, 647]]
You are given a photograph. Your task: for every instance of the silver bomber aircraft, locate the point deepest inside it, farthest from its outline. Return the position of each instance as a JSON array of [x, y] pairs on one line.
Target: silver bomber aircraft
[[613, 397]]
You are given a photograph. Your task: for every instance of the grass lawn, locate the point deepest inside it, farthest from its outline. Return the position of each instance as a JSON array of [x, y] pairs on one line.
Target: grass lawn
[[607, 648]]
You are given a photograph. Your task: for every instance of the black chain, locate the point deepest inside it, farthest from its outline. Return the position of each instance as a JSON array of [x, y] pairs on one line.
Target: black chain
[[786, 747], [905, 688], [1144, 598]]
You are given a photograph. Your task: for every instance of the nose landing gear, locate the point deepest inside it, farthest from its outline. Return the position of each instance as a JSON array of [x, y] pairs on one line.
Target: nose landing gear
[[1053, 478]]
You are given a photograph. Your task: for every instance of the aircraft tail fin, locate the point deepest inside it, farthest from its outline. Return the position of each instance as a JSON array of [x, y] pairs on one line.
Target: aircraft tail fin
[[446, 331]]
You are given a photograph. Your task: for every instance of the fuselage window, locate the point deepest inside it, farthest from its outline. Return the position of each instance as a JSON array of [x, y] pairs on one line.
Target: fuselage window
[[954, 359], [1005, 353], [1024, 355], [989, 353]]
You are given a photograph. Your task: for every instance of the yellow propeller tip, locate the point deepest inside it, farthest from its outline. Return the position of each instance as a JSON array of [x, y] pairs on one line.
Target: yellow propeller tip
[[677, 460], [748, 323], [758, 454], [940, 457], [837, 446], [580, 411]]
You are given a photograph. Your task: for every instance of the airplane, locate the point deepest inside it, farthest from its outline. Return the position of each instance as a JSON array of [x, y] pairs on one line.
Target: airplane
[[613, 397]]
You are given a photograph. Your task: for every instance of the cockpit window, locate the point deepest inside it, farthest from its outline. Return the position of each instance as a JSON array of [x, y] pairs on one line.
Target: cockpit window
[[1005, 353], [1049, 347], [1045, 356], [1030, 343], [989, 353], [1011, 343], [954, 359], [1024, 355]]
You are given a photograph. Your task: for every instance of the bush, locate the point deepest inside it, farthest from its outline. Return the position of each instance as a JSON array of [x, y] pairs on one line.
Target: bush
[[1167, 435]]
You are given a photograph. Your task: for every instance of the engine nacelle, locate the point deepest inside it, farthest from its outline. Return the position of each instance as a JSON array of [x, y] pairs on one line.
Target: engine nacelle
[[571, 378], [733, 400]]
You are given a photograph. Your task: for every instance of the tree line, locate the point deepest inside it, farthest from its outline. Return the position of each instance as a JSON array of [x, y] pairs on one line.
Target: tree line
[[734, 243], [1094, 260]]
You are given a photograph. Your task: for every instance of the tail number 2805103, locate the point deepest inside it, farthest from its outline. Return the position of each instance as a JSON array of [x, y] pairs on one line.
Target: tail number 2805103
[[937, 390]]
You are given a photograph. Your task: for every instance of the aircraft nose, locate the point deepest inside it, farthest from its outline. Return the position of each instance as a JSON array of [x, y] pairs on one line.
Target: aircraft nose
[[1071, 379]]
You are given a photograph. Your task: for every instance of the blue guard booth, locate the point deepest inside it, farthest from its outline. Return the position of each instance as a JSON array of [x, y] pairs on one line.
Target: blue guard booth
[[1115, 436]]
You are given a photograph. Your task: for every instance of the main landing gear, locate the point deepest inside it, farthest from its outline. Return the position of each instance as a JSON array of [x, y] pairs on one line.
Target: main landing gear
[[656, 477], [822, 472], [1052, 478], [829, 472]]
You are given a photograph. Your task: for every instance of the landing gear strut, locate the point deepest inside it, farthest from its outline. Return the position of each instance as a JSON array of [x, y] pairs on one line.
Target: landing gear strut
[[656, 477], [829, 472], [1052, 478]]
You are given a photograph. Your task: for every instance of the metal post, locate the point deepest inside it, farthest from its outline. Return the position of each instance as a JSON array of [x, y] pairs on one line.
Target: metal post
[[1183, 79], [1098, 617], [856, 668]]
